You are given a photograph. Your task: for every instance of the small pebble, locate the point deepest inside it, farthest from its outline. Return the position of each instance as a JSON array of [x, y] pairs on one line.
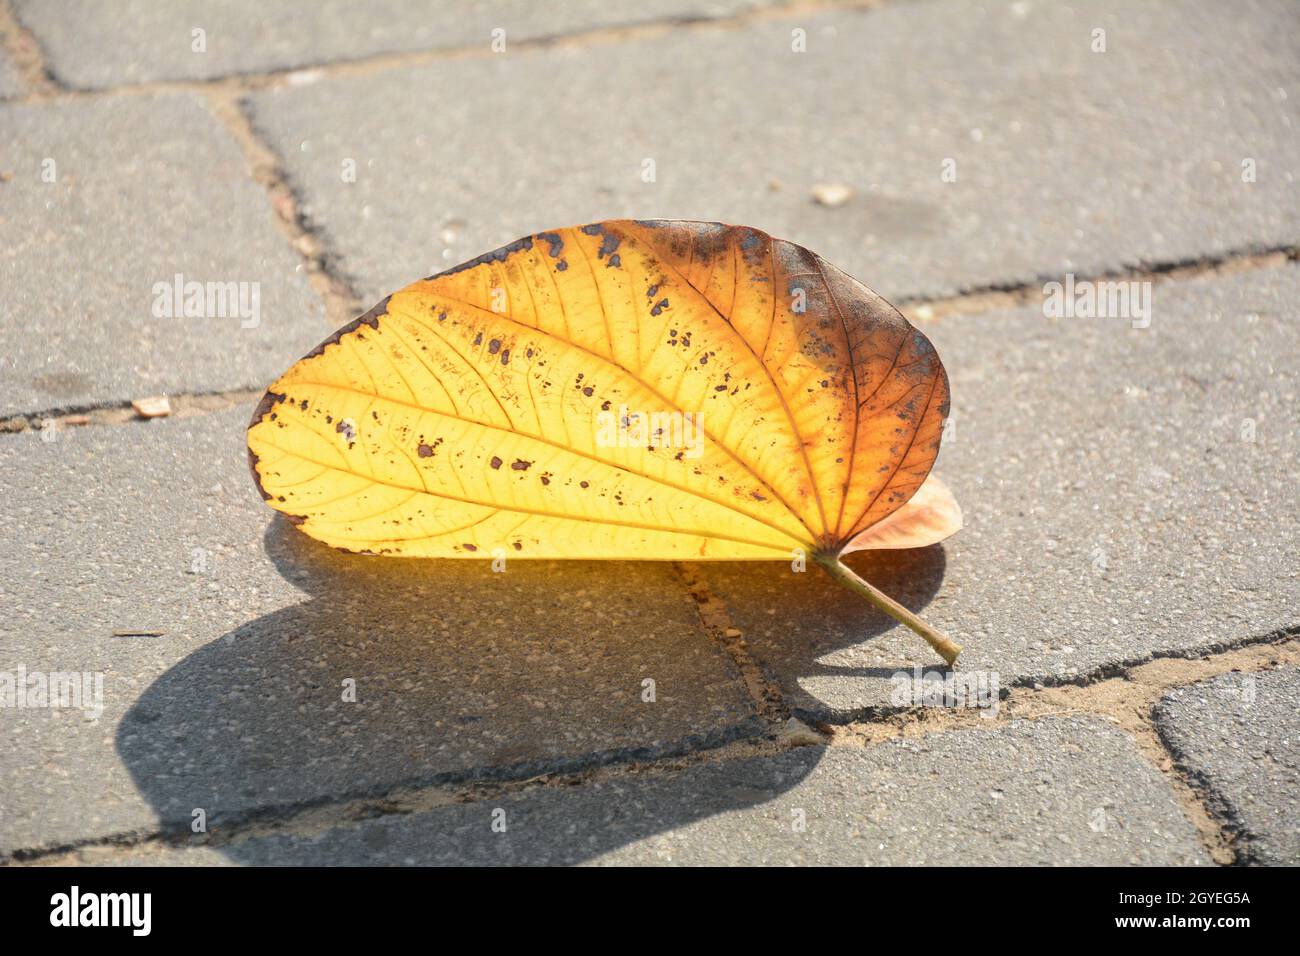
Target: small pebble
[[831, 194]]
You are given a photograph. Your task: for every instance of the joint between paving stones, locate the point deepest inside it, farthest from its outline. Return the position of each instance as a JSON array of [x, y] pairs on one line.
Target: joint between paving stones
[[1127, 697], [764, 694], [1012, 295], [266, 168], [45, 84]]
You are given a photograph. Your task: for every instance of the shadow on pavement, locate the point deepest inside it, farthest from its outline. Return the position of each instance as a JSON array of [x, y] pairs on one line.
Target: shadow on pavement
[[466, 675]]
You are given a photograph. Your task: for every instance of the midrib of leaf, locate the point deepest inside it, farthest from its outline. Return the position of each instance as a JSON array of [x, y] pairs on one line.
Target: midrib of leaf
[[857, 409], [789, 415]]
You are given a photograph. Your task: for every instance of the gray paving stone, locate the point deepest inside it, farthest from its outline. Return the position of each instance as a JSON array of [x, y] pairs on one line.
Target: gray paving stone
[[138, 41], [1055, 791], [1113, 509], [145, 188], [1067, 160], [1239, 737], [459, 671]]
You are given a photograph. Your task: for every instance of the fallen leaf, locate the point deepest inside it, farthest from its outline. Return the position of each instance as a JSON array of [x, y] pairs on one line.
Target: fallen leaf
[[155, 406], [633, 390]]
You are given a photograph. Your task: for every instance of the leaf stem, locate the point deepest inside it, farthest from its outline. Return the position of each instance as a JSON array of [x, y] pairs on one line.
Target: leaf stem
[[944, 645]]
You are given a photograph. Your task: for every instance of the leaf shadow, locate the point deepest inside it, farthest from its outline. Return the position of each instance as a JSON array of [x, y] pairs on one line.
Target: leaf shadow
[[822, 643], [464, 676]]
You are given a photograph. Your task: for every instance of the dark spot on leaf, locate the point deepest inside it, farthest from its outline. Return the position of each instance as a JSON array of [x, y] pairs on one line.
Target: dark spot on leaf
[[520, 465], [555, 245], [608, 246]]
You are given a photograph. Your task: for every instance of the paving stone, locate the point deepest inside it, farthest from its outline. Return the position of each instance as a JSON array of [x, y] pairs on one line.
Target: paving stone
[[1114, 508], [1048, 792], [145, 188], [1066, 160], [1239, 737], [238, 705], [138, 41]]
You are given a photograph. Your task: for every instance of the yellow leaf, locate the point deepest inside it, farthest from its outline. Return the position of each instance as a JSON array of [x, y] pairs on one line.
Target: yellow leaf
[[641, 390]]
